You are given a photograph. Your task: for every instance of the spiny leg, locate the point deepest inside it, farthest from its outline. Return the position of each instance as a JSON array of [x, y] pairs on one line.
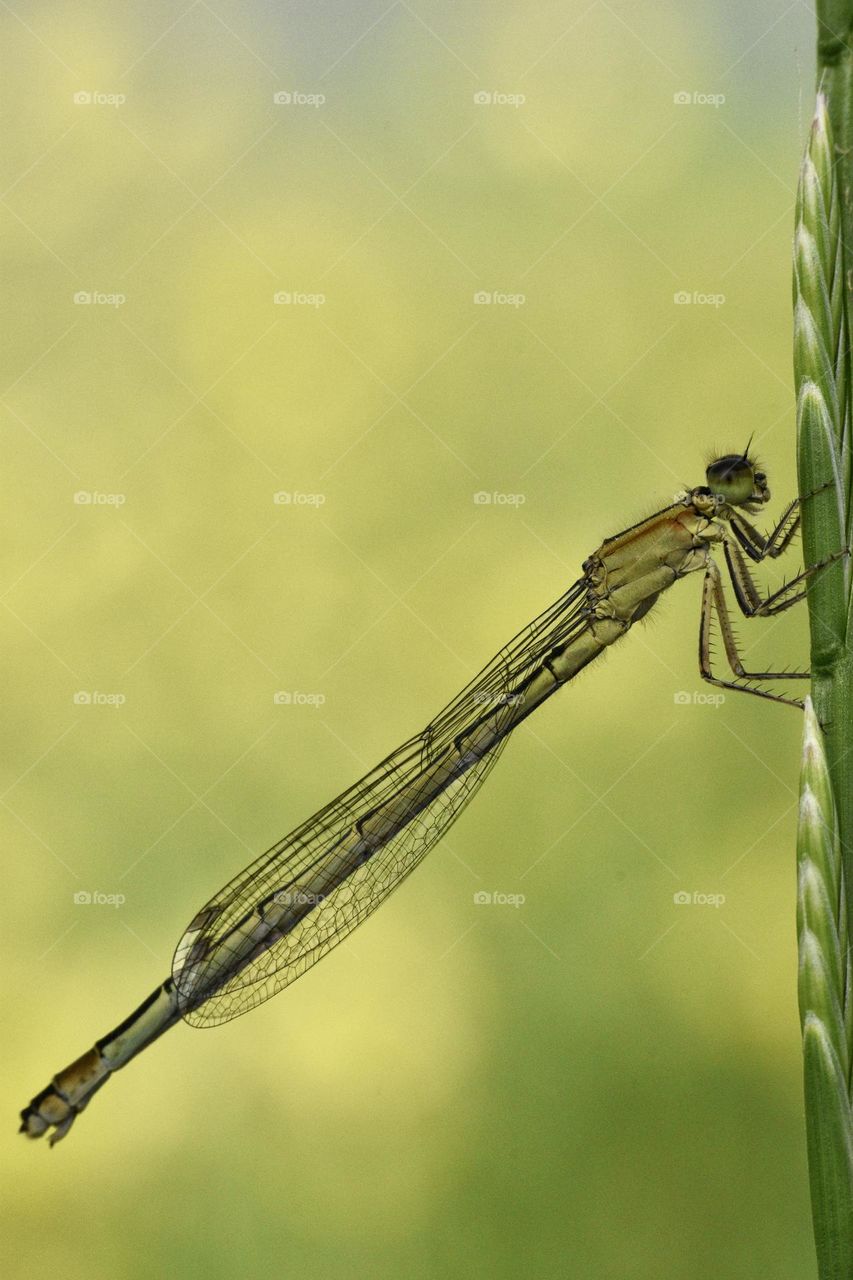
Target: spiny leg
[[749, 599], [713, 600], [757, 545], [751, 603]]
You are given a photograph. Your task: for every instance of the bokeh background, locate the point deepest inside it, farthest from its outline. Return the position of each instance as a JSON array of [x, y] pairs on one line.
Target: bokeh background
[[600, 1081]]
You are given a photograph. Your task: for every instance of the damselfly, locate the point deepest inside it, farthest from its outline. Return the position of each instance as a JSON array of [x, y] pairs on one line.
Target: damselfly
[[306, 893]]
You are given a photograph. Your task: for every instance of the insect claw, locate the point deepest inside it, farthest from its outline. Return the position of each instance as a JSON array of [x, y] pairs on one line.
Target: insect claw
[[812, 493]]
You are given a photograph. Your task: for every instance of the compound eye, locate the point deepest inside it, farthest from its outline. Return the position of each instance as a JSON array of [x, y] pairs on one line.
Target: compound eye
[[732, 478]]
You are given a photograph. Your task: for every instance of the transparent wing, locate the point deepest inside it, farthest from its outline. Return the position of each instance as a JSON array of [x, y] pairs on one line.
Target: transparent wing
[[309, 891], [337, 914]]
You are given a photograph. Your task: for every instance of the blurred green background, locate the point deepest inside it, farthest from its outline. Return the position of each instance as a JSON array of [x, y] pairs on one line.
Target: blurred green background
[[599, 1082]]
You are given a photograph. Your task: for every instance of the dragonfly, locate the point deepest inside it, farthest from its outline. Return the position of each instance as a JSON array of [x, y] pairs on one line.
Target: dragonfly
[[304, 895]]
